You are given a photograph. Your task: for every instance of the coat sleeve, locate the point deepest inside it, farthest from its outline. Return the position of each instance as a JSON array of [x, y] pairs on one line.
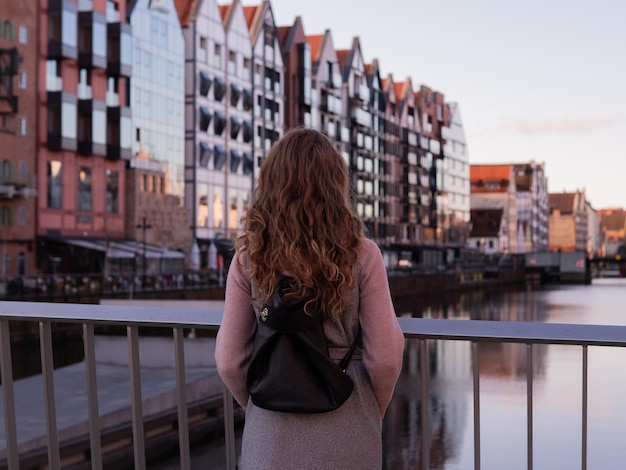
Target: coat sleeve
[[383, 340], [235, 338]]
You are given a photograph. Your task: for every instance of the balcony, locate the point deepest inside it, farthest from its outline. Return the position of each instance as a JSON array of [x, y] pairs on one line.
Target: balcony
[[62, 30], [119, 128], [119, 49], [67, 432], [92, 40]]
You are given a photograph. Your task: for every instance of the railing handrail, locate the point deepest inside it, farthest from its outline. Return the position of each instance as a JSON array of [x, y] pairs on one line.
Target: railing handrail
[[166, 317], [210, 319], [513, 331]]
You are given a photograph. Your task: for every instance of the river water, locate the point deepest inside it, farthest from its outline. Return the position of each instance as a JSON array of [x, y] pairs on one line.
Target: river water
[[557, 387]]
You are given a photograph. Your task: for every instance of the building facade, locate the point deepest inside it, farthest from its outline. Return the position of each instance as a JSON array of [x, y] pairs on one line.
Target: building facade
[[155, 184], [568, 227], [455, 185], [18, 133], [85, 128]]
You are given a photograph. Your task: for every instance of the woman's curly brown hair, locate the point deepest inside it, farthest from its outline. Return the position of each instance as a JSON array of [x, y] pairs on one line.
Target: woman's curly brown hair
[[301, 225]]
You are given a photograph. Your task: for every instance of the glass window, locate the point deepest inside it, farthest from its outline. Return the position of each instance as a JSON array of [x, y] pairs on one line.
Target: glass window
[[233, 220], [68, 122], [23, 35], [112, 195], [99, 127], [232, 63], [21, 216], [218, 206], [203, 205], [99, 37], [69, 28], [217, 56], [54, 184], [84, 189]]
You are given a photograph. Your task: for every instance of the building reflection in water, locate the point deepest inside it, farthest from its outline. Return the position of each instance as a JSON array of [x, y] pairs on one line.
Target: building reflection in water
[[450, 404]]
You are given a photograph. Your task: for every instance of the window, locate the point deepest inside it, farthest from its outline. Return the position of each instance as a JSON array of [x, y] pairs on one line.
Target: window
[[84, 189], [21, 216], [232, 63], [54, 184], [235, 160], [219, 157], [112, 194], [218, 206], [6, 217], [22, 126], [235, 126], [219, 90], [204, 118], [232, 209], [217, 56], [205, 155], [22, 80], [203, 49], [245, 72], [203, 205], [205, 83], [219, 123]]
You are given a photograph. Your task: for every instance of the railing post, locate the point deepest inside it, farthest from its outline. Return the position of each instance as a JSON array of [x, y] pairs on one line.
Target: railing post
[[136, 398], [476, 389], [584, 411], [229, 429], [424, 401], [529, 404], [181, 398], [92, 397], [47, 370], [8, 397]]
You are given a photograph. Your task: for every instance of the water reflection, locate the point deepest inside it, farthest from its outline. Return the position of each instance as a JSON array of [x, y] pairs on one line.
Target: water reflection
[[557, 385]]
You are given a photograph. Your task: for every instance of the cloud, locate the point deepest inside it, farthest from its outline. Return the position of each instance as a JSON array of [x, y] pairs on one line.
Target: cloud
[[556, 124]]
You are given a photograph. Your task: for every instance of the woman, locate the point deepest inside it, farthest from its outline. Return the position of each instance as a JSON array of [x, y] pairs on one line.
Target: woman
[[301, 226]]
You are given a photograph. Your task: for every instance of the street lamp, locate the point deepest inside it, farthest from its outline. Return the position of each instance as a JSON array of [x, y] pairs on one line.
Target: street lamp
[[144, 225]]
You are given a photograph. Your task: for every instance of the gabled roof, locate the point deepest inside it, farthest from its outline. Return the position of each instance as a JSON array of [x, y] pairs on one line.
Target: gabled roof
[[250, 12], [486, 222], [287, 34], [399, 89], [315, 43], [184, 9], [283, 32], [343, 57], [224, 11], [563, 202]]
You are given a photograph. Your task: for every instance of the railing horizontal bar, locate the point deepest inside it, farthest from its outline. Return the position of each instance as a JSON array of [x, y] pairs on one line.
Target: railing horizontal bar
[[111, 314], [514, 332], [475, 330]]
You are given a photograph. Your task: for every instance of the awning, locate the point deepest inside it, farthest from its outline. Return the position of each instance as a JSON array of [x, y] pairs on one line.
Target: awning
[[120, 249]]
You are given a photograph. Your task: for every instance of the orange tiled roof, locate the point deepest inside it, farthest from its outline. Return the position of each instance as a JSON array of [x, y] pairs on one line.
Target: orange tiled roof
[[315, 42], [399, 89], [342, 56], [250, 12], [184, 8], [490, 172], [224, 10]]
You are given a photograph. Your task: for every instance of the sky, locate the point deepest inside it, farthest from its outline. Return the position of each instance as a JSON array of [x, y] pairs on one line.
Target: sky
[[541, 80]]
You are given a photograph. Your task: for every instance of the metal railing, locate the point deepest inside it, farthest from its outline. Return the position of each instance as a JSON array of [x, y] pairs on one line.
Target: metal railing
[[176, 320]]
